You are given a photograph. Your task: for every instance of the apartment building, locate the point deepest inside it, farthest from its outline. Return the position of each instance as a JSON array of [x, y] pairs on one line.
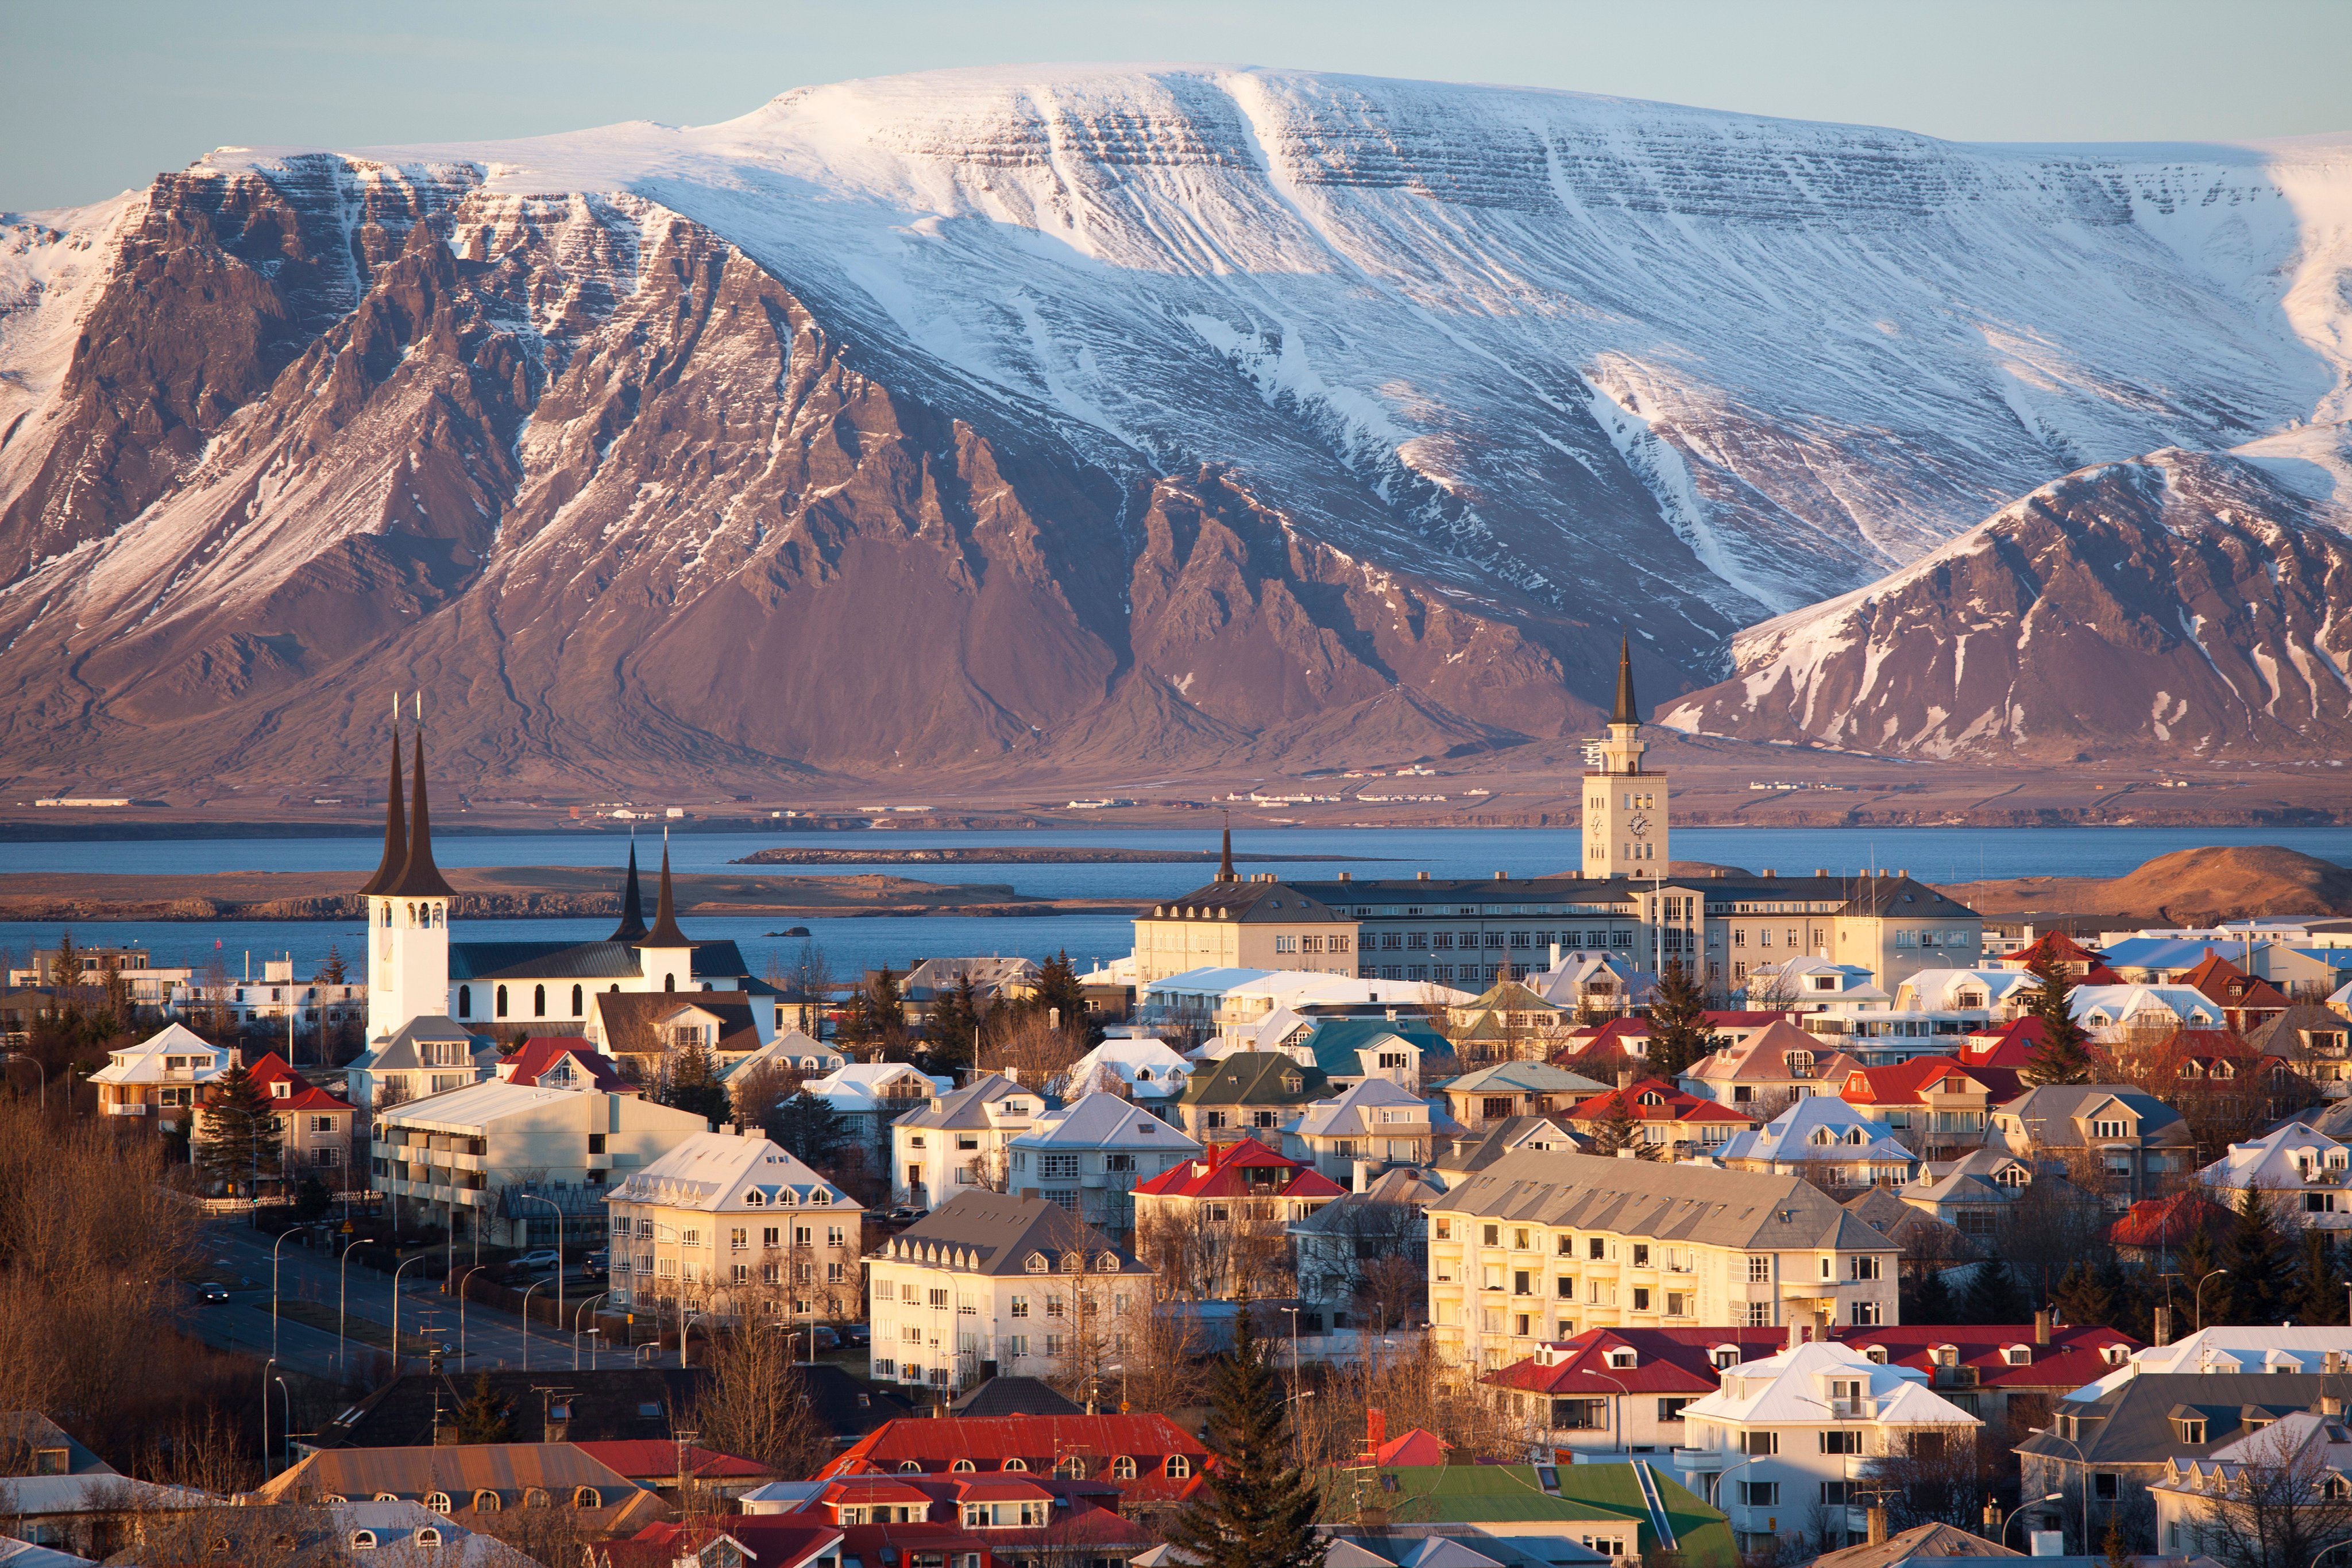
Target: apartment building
[[2136, 1137], [1542, 1244], [957, 1142], [732, 1224], [1232, 923], [516, 1162], [1940, 1102], [1794, 1428], [1089, 1156], [1826, 1141], [991, 1283]]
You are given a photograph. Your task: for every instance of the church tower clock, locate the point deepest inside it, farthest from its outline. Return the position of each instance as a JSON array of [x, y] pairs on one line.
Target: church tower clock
[[1624, 807]]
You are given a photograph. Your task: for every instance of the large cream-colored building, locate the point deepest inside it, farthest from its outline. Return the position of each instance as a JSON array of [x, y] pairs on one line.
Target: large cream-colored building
[[1542, 1244], [732, 1224], [511, 1158], [1231, 923]]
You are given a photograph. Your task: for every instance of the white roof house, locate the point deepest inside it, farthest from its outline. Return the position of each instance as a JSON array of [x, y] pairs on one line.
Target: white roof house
[[1149, 1069], [2110, 1009], [1245, 995], [722, 1173], [2004, 993], [1812, 983], [1605, 979], [2307, 1173], [2227, 1348], [1822, 1134], [165, 1074], [1089, 1155], [792, 1050], [877, 1086]]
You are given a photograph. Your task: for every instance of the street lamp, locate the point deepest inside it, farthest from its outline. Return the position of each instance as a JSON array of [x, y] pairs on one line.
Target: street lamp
[[273, 1291], [396, 1312], [557, 1210], [468, 1274], [685, 1322], [576, 1316], [2001, 1535], [342, 1297], [37, 1063], [1719, 1479], [269, 1370], [2200, 1316], [526, 1322], [2085, 1461]]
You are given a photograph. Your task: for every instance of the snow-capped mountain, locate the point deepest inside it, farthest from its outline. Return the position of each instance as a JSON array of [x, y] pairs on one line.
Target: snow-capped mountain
[[2187, 603], [1070, 415]]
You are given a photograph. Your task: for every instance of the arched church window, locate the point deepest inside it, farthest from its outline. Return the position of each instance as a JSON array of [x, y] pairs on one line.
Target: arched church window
[[465, 1001], [502, 1002], [412, 914], [706, 985], [578, 997], [616, 988], [387, 917], [669, 982], [539, 1001], [440, 917]]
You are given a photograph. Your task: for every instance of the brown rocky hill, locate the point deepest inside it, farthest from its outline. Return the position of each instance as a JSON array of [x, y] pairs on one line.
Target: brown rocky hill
[[2189, 886], [2180, 604]]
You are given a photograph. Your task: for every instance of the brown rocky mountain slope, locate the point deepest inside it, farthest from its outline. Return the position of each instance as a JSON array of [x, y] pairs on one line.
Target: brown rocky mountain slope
[[2180, 603], [2188, 886]]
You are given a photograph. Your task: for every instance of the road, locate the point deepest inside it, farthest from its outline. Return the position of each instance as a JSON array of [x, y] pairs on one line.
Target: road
[[488, 1337]]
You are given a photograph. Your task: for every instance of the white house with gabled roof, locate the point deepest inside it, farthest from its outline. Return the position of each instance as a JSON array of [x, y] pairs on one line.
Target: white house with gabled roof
[[167, 1075], [869, 1096], [1146, 1067], [1373, 1124], [956, 1142], [2307, 1175], [1088, 1156], [1825, 1140], [1782, 1436], [732, 1224], [2110, 1011]]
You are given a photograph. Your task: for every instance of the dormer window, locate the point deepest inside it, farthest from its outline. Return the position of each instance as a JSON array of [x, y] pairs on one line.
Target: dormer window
[[1292, 1083], [2018, 1355], [1624, 1358], [1725, 1356], [1878, 1354], [281, 1090], [2190, 1428]]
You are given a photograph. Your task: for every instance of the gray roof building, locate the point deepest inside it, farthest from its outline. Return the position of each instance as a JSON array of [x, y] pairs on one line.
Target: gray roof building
[[997, 1234], [2147, 1419], [1472, 1151], [968, 1107], [2060, 1115], [1696, 1204]]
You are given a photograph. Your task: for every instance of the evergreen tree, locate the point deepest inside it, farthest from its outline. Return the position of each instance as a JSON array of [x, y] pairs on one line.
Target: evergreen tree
[[1931, 1302], [1616, 1128], [886, 1007], [239, 1140], [483, 1417], [854, 1030], [2063, 1055], [2118, 1549], [1058, 988], [1994, 1296], [312, 1200], [812, 1129], [950, 1031], [695, 1085], [2257, 1257], [330, 971], [2085, 1295], [2319, 1285], [2198, 1259], [1678, 1027], [1254, 1508]]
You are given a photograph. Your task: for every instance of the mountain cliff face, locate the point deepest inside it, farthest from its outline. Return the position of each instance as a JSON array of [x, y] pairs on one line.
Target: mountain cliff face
[[1083, 418], [2179, 603]]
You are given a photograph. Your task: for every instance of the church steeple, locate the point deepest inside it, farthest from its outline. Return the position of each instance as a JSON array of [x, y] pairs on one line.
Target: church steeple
[[395, 827], [664, 933], [1625, 713], [1225, 866], [419, 876], [632, 903]]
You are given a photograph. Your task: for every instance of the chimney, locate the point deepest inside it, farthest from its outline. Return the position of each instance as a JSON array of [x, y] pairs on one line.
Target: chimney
[[1555, 955], [1376, 1430], [2164, 1325], [1770, 873], [1624, 1078], [1344, 876], [2041, 1327], [1878, 1536], [1796, 1332], [1363, 1176], [1627, 1155], [2047, 1543], [2334, 1362], [1420, 876], [2330, 1406]]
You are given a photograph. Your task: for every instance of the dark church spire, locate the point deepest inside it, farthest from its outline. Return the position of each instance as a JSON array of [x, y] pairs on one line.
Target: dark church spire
[[419, 876], [633, 902], [396, 826], [1625, 713], [664, 933], [1225, 866]]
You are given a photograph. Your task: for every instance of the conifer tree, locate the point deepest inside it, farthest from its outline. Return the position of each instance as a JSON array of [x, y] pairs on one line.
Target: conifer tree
[[2085, 1295], [2257, 1257], [1058, 988], [949, 1032], [885, 1005], [1253, 1508], [330, 971], [239, 1142], [695, 1085], [1931, 1302], [1616, 1128], [2198, 1259], [1994, 1296], [2319, 1296], [1678, 1028], [2118, 1549], [2063, 1055], [483, 1417]]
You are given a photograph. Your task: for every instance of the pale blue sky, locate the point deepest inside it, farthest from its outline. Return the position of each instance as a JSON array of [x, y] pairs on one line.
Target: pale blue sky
[[102, 94]]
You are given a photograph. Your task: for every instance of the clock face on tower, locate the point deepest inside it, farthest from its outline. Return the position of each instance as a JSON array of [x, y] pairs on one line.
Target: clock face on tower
[[1639, 827]]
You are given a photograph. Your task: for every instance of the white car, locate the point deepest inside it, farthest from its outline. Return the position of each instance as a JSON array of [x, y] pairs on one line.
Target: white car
[[545, 1257]]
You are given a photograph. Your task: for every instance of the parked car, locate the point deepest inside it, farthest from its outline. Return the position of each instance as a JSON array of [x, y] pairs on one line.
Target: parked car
[[543, 1258], [596, 1265], [854, 1335], [905, 1214], [212, 1291]]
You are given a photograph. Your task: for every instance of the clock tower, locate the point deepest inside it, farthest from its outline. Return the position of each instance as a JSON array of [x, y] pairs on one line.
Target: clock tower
[[1624, 807]]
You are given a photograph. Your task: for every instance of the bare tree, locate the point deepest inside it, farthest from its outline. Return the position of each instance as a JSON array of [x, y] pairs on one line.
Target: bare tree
[[757, 1404], [1025, 1044]]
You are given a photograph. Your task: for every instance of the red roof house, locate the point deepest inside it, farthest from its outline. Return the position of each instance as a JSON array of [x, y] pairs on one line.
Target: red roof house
[[289, 1090], [1941, 1099], [1667, 1115], [651, 1462], [2244, 999], [771, 1541], [1148, 1459], [1245, 1169], [563, 1061], [1418, 1447], [2157, 1225], [2077, 958]]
